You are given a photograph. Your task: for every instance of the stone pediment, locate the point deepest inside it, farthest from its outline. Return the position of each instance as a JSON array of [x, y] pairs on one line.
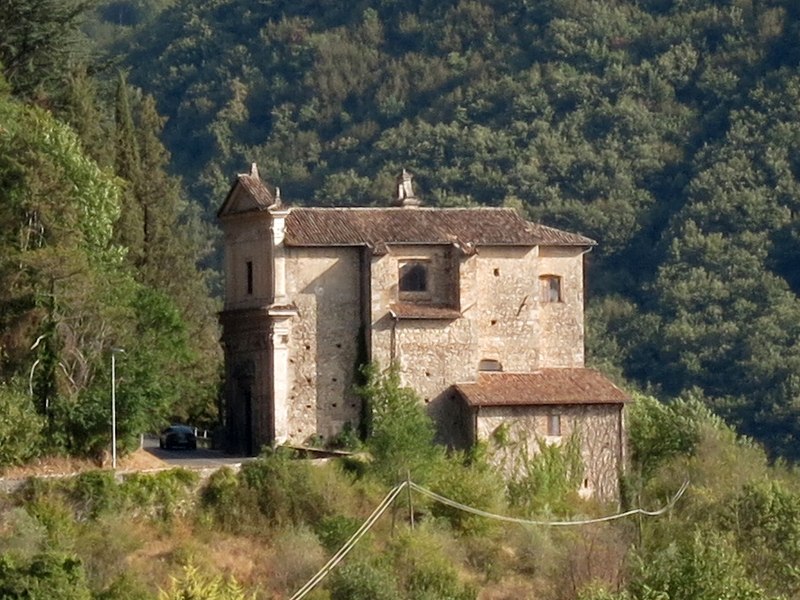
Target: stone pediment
[[248, 194]]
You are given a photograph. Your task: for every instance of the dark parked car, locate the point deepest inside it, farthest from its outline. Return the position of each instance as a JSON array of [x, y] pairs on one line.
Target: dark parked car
[[178, 436]]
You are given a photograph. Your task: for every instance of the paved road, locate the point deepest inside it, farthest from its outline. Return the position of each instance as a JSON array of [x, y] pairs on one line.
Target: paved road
[[202, 458]]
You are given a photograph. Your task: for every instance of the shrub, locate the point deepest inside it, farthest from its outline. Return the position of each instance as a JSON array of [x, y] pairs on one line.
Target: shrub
[[401, 439], [299, 557], [46, 576], [230, 505], [20, 426], [364, 580], [284, 489], [94, 493], [469, 480], [425, 568], [703, 566], [191, 584], [162, 495], [335, 530]]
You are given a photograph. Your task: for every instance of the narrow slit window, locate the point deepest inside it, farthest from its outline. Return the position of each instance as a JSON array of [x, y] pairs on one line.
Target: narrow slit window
[[550, 288], [554, 425], [249, 276]]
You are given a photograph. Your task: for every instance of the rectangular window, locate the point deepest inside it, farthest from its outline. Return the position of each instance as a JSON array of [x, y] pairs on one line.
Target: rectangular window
[[554, 425], [249, 276], [550, 288], [413, 277]]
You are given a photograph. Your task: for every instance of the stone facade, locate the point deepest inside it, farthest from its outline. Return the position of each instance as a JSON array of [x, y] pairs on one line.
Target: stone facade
[[446, 294]]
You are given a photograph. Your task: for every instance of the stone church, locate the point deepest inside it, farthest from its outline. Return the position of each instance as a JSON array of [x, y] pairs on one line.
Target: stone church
[[481, 310]]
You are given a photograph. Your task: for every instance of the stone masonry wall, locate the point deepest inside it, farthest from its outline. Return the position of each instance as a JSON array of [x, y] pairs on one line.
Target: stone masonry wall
[[560, 324], [598, 426], [248, 240], [503, 317], [324, 285]]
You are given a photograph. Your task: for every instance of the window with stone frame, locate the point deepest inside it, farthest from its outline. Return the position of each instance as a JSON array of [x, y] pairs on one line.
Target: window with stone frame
[[414, 280], [554, 425], [550, 288], [249, 276]]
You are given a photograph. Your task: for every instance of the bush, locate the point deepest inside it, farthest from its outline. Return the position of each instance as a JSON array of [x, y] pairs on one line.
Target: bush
[[401, 439], [45, 577], [230, 505], [363, 580], [94, 493], [20, 426], [425, 568], [703, 566], [299, 557], [284, 489], [192, 584], [162, 495], [473, 482]]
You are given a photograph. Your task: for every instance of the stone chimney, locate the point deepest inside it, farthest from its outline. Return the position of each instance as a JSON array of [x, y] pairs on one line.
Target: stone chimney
[[405, 192]]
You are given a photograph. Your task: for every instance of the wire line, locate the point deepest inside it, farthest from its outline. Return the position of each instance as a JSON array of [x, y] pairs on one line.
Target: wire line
[[349, 544], [395, 491], [488, 515]]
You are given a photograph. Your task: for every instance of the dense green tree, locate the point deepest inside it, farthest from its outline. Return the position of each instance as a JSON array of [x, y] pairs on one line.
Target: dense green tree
[[40, 44]]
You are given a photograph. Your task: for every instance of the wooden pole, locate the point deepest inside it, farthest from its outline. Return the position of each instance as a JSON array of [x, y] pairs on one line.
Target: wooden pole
[[410, 503]]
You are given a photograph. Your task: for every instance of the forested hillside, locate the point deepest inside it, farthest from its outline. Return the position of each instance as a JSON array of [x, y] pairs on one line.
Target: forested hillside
[[666, 130], [99, 250]]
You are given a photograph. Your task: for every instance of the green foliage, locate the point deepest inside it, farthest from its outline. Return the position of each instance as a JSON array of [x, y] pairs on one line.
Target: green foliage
[[765, 518], [284, 489], [658, 432], [473, 481], [94, 493], [704, 566], [401, 439], [20, 426], [546, 479], [364, 580], [164, 495], [40, 42], [46, 576], [425, 570], [191, 584]]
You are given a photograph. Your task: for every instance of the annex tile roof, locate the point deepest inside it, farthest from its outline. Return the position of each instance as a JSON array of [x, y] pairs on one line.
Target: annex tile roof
[[542, 387], [377, 227]]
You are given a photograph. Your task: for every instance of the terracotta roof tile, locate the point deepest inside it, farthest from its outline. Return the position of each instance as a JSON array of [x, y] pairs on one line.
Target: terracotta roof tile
[[257, 190], [375, 227], [546, 386]]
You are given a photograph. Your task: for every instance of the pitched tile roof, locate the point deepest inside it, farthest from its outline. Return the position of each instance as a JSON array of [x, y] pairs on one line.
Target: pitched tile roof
[[542, 387], [376, 227], [254, 188]]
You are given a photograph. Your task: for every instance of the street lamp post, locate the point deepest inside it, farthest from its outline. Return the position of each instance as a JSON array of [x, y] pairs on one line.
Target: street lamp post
[[114, 352]]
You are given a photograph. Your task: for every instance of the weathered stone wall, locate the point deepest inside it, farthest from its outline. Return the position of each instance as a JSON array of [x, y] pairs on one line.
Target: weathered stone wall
[[499, 297], [560, 324], [597, 425], [248, 238], [431, 353], [503, 317], [324, 285]]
